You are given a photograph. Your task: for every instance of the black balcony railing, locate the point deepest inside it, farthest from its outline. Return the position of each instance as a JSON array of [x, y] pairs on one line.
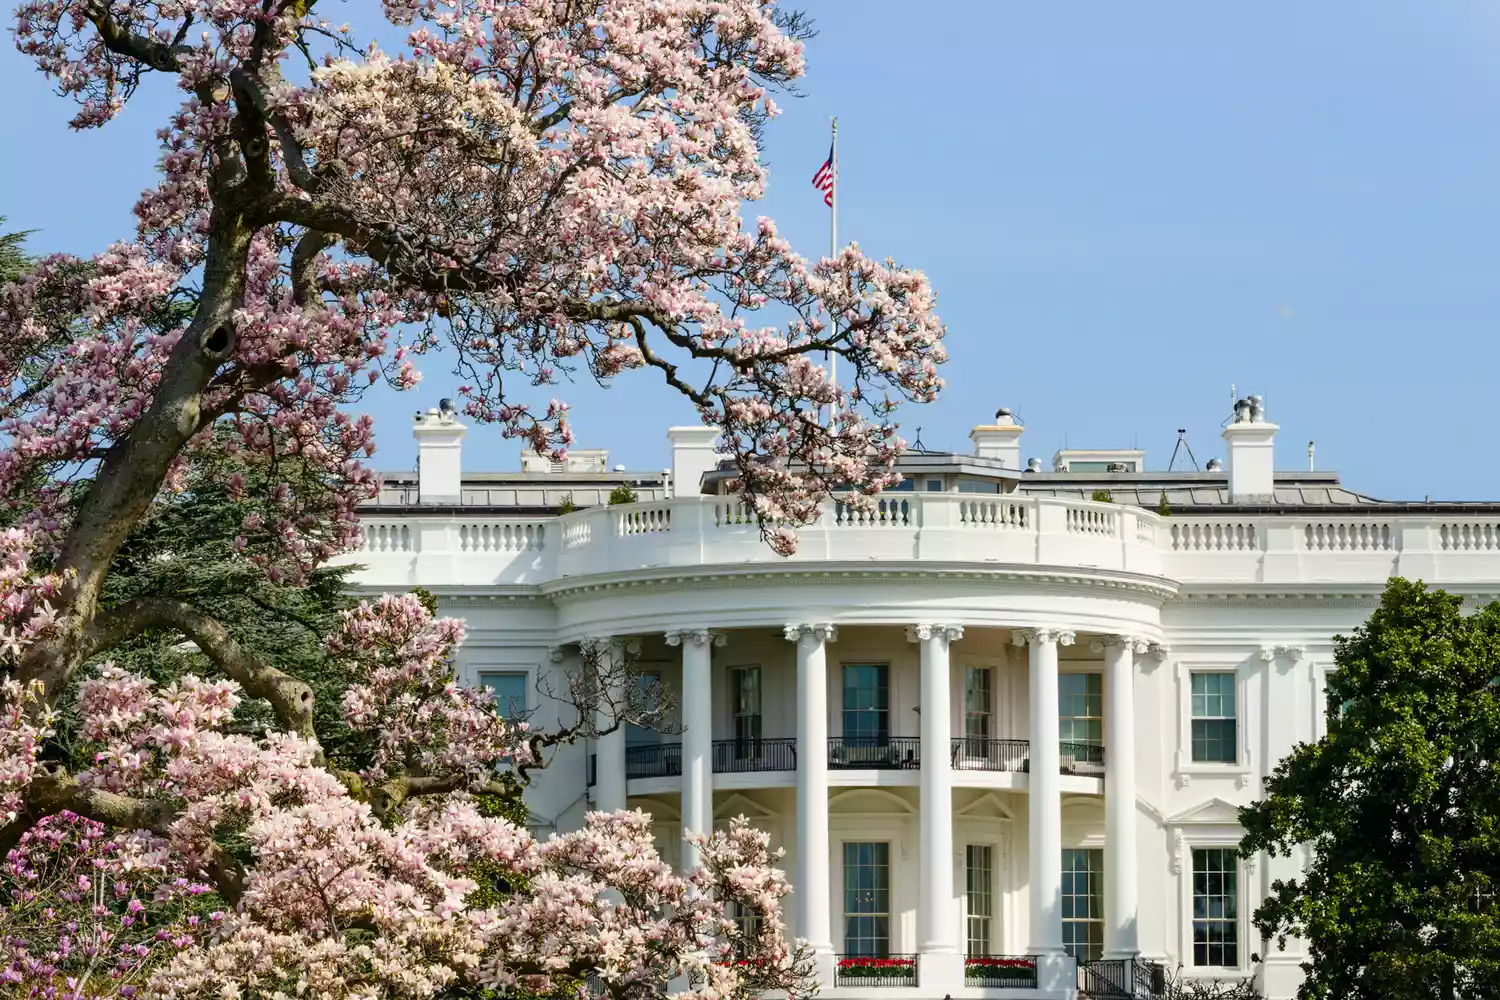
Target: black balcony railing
[[1122, 979], [878, 753], [1082, 758], [755, 755], [653, 760], [1005, 972], [870, 970], [971, 753]]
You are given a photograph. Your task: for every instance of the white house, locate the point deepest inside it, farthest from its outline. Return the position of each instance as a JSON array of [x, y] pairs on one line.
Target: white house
[[996, 719]]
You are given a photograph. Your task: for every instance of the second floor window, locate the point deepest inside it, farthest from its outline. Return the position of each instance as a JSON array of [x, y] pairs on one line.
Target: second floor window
[[867, 899], [1080, 708], [1215, 722], [509, 688], [645, 701], [867, 703], [744, 688], [977, 704]]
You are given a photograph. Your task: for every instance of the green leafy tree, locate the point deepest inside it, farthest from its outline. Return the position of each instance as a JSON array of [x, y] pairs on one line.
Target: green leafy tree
[[1399, 805], [622, 494]]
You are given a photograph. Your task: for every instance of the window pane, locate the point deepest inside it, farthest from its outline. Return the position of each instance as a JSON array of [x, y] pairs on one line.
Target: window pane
[[1215, 726], [867, 899], [645, 699], [1215, 907], [977, 703], [510, 690], [745, 690], [1083, 903]]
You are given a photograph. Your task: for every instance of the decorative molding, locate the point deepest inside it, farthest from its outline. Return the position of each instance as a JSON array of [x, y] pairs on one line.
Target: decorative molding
[[1137, 644], [823, 631], [1044, 634], [1179, 851], [697, 636], [1249, 864], [921, 633], [595, 645], [556, 654], [1268, 653], [1292, 652]]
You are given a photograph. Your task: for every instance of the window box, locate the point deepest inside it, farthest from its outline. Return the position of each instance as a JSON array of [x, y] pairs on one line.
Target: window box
[[862, 970], [1015, 972]]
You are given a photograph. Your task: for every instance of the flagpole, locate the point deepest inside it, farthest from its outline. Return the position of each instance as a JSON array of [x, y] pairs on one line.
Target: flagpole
[[833, 249]]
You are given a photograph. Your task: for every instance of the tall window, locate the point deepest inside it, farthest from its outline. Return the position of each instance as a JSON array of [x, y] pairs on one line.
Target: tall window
[[747, 924], [867, 899], [1083, 903], [1216, 931], [867, 703], [645, 699], [1080, 708], [1215, 725], [977, 706], [980, 889], [744, 688], [509, 688]]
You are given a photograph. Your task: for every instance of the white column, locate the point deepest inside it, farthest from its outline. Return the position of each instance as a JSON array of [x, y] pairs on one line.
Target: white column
[[812, 888], [941, 964], [609, 748], [1045, 806], [1121, 911], [697, 736]]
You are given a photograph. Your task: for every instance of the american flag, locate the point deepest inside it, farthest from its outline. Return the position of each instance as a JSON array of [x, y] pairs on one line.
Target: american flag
[[823, 179]]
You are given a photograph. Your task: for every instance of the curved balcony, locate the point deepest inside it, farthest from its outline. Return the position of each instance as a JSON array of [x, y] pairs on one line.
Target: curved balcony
[[689, 532], [857, 753]]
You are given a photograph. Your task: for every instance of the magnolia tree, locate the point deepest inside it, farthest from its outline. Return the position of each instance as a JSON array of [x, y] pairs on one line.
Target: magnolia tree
[[543, 187]]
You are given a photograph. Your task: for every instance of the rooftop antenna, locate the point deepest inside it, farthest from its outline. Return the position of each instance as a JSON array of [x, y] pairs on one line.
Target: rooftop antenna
[[1309, 456], [1183, 446], [917, 444]]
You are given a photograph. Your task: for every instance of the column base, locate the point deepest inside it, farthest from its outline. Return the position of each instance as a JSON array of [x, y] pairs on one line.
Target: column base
[[1056, 973], [823, 971], [1279, 977], [940, 970]]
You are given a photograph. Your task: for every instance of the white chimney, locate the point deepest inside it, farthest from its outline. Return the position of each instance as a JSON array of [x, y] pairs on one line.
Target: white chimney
[[693, 455], [1000, 440], [1252, 453], [440, 441]]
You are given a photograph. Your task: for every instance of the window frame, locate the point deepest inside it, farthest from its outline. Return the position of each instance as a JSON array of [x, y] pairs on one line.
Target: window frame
[[1185, 837], [987, 713], [1095, 897], [1248, 719], [745, 746], [987, 892], [1061, 718], [883, 733], [872, 914], [1236, 922], [526, 675], [1235, 718], [640, 736]]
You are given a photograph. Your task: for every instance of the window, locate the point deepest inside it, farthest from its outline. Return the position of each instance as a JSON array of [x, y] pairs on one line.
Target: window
[[867, 704], [1083, 903], [934, 486], [1214, 723], [1080, 708], [744, 689], [645, 700], [980, 889], [905, 486], [977, 708], [867, 899], [509, 688], [977, 486], [1216, 933], [747, 924]]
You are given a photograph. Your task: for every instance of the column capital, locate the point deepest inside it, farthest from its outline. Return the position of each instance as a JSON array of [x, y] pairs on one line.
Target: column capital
[[1159, 651], [1043, 636], [921, 633], [696, 636], [556, 654], [826, 631], [1136, 644]]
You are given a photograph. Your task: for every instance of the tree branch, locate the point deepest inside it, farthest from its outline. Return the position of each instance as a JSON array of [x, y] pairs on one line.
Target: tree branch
[[291, 699]]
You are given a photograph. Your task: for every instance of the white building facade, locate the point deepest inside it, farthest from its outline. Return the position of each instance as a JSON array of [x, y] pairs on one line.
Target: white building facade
[[1001, 728]]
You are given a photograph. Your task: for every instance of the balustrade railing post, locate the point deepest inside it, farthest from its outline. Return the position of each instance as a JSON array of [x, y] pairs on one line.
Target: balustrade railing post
[[1418, 545]]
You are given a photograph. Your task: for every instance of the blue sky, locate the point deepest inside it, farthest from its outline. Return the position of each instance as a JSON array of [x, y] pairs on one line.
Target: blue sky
[[1125, 208]]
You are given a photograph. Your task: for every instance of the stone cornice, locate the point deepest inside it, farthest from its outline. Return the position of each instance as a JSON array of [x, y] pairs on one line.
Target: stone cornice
[[1149, 588]]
